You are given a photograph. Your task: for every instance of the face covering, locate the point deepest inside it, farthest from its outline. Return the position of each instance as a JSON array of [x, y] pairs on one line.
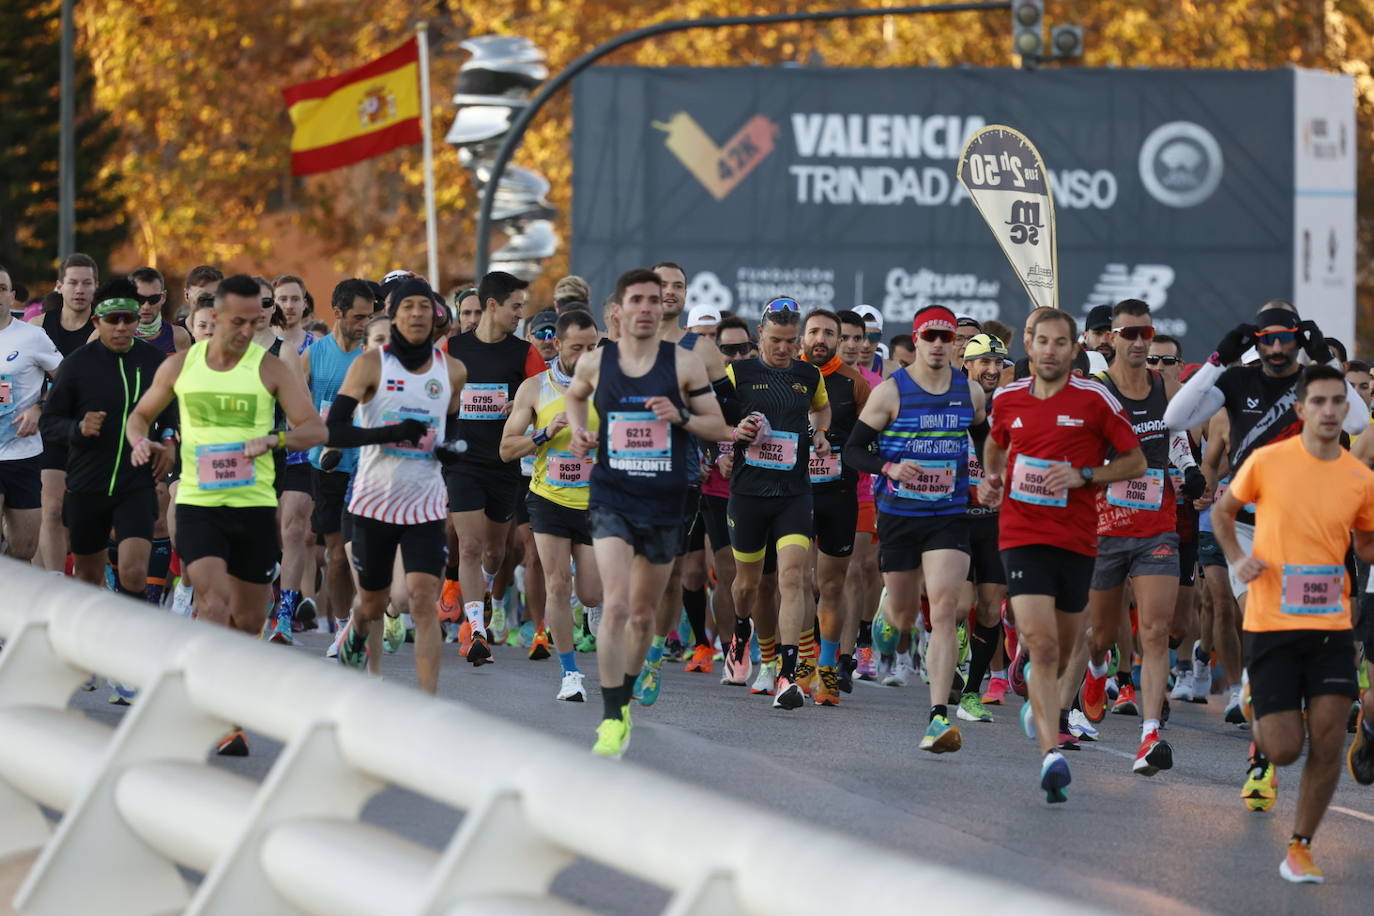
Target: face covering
[[151, 329]]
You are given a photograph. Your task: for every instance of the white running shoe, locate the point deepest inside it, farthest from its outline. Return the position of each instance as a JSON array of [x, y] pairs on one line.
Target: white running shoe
[[1183, 686], [1202, 676], [768, 673], [901, 672], [183, 600], [572, 689], [1080, 727], [333, 650]]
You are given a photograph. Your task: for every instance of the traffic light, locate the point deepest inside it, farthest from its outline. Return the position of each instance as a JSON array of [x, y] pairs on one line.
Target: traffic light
[[1028, 29], [493, 85], [1066, 41]]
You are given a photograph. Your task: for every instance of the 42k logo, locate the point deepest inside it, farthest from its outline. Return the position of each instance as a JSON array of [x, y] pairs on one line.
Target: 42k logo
[[719, 168]]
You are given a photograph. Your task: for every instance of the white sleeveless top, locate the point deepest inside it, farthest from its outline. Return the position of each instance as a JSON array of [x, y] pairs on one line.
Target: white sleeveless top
[[400, 483]]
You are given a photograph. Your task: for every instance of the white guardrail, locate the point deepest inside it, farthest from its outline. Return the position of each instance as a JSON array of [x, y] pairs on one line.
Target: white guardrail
[[140, 799]]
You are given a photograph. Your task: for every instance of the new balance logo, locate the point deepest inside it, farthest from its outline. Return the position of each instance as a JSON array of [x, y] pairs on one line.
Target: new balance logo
[[1149, 282]]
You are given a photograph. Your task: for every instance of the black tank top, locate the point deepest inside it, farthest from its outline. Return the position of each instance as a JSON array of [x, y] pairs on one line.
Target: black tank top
[[1147, 418], [495, 371], [641, 469], [65, 341]]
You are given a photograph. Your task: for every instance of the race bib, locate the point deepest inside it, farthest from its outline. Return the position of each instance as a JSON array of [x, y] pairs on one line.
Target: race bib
[[425, 448], [324, 410], [564, 469], [1313, 589], [1176, 478], [637, 434], [824, 470], [1139, 492], [6, 394], [483, 401], [934, 480], [224, 466], [1028, 482], [975, 467], [777, 451]]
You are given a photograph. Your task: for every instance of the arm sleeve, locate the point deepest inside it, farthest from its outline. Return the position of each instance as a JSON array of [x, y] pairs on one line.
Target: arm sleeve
[[858, 451], [343, 434], [1197, 401], [1181, 452], [979, 433]]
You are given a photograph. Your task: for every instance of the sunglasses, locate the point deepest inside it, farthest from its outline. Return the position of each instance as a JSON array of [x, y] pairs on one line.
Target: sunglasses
[[154, 299], [1136, 333], [930, 335], [543, 333], [1276, 337], [1166, 360], [268, 302], [874, 337], [120, 318], [738, 349], [782, 304]]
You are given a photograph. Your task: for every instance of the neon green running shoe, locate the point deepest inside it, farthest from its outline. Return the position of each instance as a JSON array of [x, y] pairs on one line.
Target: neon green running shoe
[[393, 634], [971, 709], [612, 738]]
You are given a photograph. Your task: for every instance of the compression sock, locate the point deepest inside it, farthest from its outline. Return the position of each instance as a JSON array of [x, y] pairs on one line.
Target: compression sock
[[806, 648], [829, 650], [694, 602], [451, 573], [768, 649], [865, 634], [655, 657], [158, 562], [984, 644], [789, 661], [613, 701], [569, 661]]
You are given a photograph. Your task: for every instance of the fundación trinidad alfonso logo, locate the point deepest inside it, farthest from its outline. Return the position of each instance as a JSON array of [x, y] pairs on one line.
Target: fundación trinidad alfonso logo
[[719, 168]]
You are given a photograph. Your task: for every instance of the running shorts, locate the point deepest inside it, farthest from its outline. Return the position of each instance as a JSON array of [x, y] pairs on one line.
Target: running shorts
[[658, 544], [21, 482], [1288, 666], [1121, 557], [693, 535], [713, 512], [835, 519], [557, 520], [1039, 569], [1209, 552], [244, 538], [986, 566], [495, 491], [757, 521], [424, 549], [90, 516], [902, 539], [330, 491], [295, 478]]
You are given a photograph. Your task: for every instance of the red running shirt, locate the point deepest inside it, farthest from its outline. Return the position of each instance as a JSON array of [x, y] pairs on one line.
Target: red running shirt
[[1079, 426]]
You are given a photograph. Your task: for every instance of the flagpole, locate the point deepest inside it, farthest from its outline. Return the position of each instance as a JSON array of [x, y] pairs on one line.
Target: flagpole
[[427, 131]]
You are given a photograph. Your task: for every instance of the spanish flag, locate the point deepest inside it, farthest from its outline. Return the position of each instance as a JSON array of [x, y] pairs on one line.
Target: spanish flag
[[340, 120]]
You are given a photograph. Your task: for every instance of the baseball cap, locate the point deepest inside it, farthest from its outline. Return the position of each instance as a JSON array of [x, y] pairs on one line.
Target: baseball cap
[[703, 314], [980, 345], [1099, 319], [545, 319], [964, 321], [869, 314]]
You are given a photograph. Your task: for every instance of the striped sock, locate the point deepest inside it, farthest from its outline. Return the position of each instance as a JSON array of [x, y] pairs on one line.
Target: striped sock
[[768, 649], [806, 647]]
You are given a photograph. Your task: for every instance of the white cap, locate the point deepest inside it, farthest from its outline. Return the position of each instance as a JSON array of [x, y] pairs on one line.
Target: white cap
[[399, 274], [882, 350], [870, 314], [703, 314], [1096, 362]]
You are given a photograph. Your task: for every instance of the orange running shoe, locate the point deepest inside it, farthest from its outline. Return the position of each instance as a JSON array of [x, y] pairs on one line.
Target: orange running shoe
[[1298, 866], [701, 660], [806, 676], [827, 687], [451, 602], [539, 649], [473, 647]]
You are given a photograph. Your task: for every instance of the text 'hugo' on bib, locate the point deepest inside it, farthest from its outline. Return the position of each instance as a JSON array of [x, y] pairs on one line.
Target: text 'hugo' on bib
[[424, 449], [1028, 482], [637, 434], [824, 470], [224, 465], [1139, 492], [776, 451], [564, 469], [934, 480], [483, 401], [1313, 589]]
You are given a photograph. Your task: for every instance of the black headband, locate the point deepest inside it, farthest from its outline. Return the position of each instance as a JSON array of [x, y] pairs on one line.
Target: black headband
[[1279, 317]]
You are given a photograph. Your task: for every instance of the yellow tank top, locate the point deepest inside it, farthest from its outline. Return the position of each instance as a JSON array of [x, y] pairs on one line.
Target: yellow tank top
[[558, 476], [219, 412]]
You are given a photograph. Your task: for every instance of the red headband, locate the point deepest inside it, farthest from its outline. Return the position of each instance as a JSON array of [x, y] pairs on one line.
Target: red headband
[[934, 318]]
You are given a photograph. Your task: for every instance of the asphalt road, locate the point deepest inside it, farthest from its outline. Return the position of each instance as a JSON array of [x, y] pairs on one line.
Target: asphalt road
[[1179, 842]]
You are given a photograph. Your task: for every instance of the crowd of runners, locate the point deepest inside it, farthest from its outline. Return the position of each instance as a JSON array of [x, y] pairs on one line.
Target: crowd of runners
[[793, 503]]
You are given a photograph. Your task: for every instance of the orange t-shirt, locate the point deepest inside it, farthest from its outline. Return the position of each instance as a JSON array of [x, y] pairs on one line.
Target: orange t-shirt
[[1305, 510]]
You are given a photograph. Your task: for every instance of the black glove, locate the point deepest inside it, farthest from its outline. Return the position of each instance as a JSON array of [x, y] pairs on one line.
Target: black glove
[[1193, 483], [408, 430], [1235, 343], [1314, 343], [330, 459]]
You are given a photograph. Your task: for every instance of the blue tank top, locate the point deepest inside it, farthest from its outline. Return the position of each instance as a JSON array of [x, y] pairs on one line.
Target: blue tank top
[[930, 430], [328, 366], [641, 471]]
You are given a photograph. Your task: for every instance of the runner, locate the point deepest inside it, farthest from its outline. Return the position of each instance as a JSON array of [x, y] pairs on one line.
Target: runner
[[651, 395], [68, 327], [29, 357], [921, 419], [1137, 529], [483, 489], [201, 281], [1053, 432], [153, 309], [733, 628], [403, 394], [1298, 644], [869, 357], [965, 330], [559, 491], [834, 502]]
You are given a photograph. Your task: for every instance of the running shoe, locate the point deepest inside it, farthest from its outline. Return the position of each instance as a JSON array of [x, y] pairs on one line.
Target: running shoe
[[922, 651], [1202, 675], [1298, 866], [866, 666], [183, 600], [305, 615], [971, 709], [1125, 702], [884, 635], [1154, 755], [1055, 778], [1067, 742], [701, 660], [1094, 696], [121, 694], [234, 744], [475, 649], [997, 692], [393, 634], [648, 685], [1080, 727], [585, 643], [1016, 674], [1234, 714], [1352, 721], [827, 691], [787, 694], [767, 677], [1183, 686], [737, 667], [612, 738], [497, 628], [901, 672], [941, 737], [92, 682], [884, 667], [1028, 720], [539, 646], [281, 631], [1360, 758], [673, 648], [1261, 787], [333, 650], [593, 620], [349, 655], [450, 605], [1245, 708], [806, 676], [572, 688]]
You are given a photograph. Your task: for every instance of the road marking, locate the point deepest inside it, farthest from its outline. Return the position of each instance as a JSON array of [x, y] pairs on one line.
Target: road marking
[[1360, 814], [1107, 750]]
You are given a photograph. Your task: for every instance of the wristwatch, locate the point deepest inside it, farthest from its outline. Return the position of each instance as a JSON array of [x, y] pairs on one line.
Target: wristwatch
[[684, 417], [1087, 474]]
